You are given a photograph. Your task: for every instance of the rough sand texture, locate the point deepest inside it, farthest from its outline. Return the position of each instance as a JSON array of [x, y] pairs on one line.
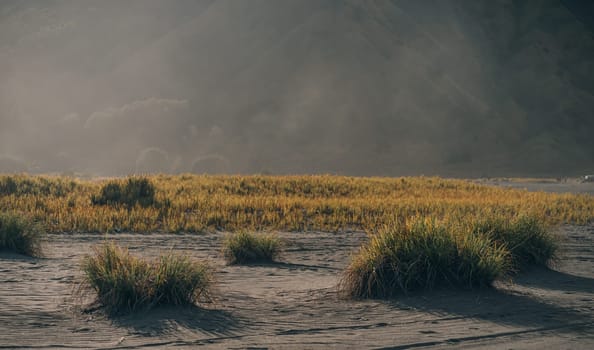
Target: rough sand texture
[[294, 304]]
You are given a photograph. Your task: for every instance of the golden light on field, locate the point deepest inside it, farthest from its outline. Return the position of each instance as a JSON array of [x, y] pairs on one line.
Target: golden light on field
[[191, 203]]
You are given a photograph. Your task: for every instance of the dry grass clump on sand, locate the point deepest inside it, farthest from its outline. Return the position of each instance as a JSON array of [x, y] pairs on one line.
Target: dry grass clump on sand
[[421, 254], [526, 238], [125, 283], [246, 247], [20, 235]]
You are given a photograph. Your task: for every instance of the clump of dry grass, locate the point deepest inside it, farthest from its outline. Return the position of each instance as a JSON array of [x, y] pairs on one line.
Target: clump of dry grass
[[246, 247], [458, 251], [421, 254], [526, 237], [124, 283], [20, 235]]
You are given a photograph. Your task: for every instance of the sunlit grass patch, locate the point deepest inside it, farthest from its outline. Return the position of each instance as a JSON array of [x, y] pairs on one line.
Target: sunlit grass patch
[[19, 235], [526, 237], [125, 283], [191, 203], [247, 247], [421, 254]]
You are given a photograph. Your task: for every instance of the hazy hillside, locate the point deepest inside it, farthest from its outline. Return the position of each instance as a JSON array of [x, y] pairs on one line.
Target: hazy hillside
[[459, 87]]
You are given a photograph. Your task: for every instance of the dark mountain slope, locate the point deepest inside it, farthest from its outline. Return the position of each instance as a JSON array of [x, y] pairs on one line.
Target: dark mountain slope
[[463, 88]]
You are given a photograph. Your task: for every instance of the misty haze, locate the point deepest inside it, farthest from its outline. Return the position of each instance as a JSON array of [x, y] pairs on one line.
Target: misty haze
[[452, 88]]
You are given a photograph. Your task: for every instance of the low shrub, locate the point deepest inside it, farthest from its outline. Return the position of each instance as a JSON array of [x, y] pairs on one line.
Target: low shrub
[[421, 254], [132, 191], [125, 283], [245, 247], [20, 235], [525, 237]]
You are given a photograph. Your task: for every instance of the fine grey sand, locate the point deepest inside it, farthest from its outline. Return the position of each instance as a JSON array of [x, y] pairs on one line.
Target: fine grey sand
[[563, 185], [294, 304]]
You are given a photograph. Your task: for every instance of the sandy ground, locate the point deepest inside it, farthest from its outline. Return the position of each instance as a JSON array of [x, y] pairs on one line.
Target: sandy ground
[[294, 304], [569, 185]]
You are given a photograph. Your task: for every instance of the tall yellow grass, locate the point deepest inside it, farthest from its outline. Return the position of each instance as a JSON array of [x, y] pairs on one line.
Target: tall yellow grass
[[192, 203]]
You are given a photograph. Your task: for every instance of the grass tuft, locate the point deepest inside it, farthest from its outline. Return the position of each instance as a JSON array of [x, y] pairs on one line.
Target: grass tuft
[[245, 247], [525, 237], [421, 254], [19, 235], [135, 190], [125, 283]]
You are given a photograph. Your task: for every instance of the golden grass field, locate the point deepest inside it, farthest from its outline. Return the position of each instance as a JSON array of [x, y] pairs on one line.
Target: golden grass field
[[198, 203]]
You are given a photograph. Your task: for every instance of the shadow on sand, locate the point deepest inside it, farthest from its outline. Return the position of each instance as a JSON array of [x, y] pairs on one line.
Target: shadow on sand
[[164, 320], [9, 255], [289, 266], [545, 278], [506, 305]]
